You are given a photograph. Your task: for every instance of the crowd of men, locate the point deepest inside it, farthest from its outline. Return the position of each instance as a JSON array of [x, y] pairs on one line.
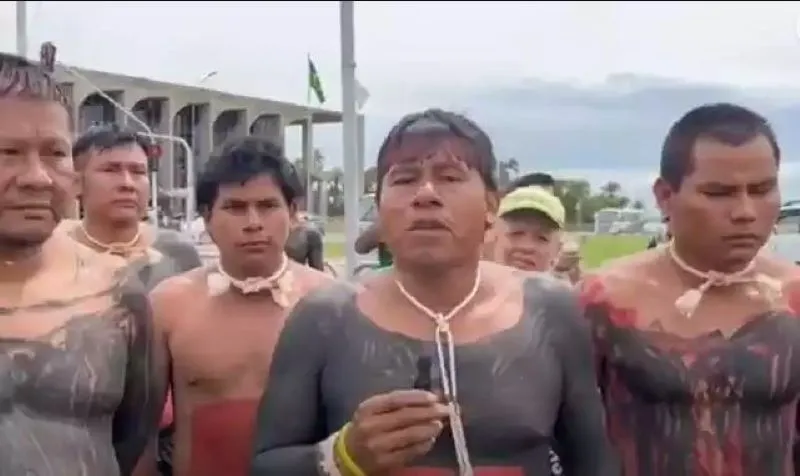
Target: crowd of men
[[464, 356]]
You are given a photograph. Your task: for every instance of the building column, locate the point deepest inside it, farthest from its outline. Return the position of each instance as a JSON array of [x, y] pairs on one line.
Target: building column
[[308, 159]]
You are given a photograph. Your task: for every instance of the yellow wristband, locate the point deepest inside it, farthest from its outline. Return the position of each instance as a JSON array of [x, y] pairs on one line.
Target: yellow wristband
[[340, 449]]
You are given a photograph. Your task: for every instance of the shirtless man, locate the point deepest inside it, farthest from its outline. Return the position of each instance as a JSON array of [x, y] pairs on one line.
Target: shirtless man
[[379, 380], [698, 341], [115, 188], [222, 321], [79, 389]]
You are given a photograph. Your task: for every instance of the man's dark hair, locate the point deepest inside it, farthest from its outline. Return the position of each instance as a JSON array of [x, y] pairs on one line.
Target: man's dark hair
[[535, 179], [727, 123], [107, 137], [240, 160], [437, 121], [22, 78]]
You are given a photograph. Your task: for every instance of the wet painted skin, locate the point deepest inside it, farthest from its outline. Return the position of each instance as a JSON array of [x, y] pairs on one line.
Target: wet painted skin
[[83, 397], [709, 405], [510, 422]]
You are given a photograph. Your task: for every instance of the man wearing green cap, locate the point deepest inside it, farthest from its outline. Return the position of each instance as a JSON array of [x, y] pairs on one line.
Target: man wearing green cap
[[528, 233]]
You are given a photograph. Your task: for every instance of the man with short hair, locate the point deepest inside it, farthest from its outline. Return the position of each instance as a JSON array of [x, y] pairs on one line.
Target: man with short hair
[[442, 364], [113, 166], [534, 179], [115, 189], [698, 341], [222, 321], [80, 373]]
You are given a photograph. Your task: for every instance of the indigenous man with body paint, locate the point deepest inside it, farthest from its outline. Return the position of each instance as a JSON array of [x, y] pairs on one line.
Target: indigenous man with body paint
[[699, 341], [113, 165], [80, 391], [442, 364], [222, 321]]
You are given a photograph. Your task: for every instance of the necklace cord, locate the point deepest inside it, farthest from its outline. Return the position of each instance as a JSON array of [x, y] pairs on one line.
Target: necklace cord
[[445, 356]]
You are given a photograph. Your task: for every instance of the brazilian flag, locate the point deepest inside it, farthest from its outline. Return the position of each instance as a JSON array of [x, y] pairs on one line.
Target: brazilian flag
[[314, 83]]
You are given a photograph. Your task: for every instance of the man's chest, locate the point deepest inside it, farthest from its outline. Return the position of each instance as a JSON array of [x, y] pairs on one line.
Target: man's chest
[[225, 351], [757, 363]]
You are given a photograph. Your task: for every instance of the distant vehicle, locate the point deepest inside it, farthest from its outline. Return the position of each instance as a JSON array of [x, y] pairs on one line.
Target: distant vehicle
[[785, 242], [618, 220]]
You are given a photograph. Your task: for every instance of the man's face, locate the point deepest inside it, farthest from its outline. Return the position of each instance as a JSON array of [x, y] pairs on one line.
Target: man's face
[[115, 183], [37, 179], [433, 205], [250, 223], [727, 205], [527, 240]]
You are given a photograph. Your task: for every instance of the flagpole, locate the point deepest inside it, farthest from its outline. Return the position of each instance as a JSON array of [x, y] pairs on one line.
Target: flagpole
[[22, 29], [308, 79], [349, 132]]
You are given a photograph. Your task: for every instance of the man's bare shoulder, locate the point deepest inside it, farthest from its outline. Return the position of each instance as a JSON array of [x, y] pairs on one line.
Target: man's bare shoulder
[[181, 288], [313, 277], [622, 280]]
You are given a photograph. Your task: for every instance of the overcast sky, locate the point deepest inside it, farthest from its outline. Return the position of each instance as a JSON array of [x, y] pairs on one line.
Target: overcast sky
[[414, 54]]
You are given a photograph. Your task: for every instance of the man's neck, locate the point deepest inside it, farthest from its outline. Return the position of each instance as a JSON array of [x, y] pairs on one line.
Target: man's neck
[[703, 264], [19, 263], [266, 270], [108, 232], [438, 290]]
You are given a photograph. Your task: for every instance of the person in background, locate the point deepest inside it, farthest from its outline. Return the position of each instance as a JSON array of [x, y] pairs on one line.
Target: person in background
[[535, 179], [305, 244], [568, 265], [112, 163], [528, 229], [221, 321], [369, 240]]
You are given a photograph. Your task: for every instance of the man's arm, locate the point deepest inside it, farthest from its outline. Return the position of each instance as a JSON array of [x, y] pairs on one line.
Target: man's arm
[[136, 420], [368, 240], [290, 420], [182, 252], [580, 432], [315, 250]]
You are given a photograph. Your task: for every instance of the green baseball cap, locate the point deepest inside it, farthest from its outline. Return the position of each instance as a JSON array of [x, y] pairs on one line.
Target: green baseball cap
[[537, 199]]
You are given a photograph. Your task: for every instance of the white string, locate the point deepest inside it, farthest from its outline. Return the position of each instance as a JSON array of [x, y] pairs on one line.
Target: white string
[[688, 302], [114, 247], [443, 339], [220, 279]]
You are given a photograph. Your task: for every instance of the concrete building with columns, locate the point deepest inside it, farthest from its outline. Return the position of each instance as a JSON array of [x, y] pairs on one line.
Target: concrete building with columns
[[203, 117]]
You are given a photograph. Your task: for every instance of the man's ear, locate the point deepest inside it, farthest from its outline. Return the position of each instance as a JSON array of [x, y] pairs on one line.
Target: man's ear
[[293, 208], [492, 202]]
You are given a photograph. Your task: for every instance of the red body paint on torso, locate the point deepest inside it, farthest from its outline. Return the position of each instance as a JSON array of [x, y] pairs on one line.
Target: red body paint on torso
[[222, 438]]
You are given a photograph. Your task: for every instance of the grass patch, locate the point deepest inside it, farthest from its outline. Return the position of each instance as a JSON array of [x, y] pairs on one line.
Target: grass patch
[[597, 249], [334, 250]]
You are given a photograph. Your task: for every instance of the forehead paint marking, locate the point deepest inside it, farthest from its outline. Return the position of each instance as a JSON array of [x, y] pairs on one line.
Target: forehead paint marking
[[422, 151]]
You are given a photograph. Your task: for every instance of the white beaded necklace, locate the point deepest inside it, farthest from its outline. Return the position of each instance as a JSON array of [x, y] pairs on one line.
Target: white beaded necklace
[[117, 248]]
